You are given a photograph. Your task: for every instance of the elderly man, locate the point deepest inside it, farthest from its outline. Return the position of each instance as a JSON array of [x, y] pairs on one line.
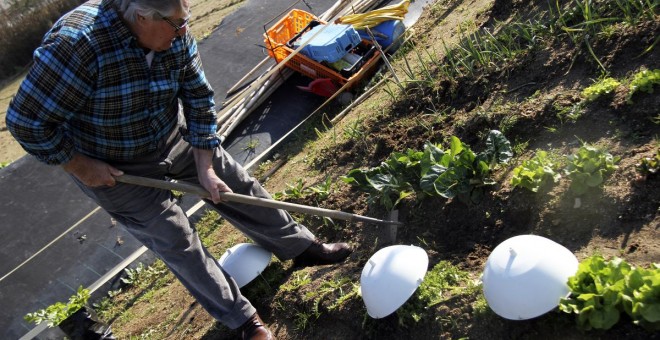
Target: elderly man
[[104, 97]]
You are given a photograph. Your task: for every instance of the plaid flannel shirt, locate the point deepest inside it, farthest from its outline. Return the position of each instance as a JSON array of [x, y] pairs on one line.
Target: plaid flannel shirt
[[91, 91]]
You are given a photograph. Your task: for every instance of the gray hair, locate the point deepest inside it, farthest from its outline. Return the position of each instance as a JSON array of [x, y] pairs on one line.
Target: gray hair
[[152, 9]]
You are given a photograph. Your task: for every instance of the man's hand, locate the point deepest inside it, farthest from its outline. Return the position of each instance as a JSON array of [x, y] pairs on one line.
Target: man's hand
[[92, 172], [207, 176]]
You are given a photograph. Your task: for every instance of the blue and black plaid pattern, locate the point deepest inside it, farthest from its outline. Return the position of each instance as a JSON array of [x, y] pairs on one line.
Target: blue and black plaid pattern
[[91, 91]]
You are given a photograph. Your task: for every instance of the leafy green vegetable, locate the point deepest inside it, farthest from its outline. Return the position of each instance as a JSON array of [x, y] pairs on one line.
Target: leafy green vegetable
[[649, 165], [601, 290], [588, 167], [457, 171], [643, 81], [58, 312], [600, 88], [536, 172]]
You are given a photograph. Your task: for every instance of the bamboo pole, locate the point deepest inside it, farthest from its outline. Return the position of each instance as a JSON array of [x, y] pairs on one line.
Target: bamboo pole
[[247, 75]]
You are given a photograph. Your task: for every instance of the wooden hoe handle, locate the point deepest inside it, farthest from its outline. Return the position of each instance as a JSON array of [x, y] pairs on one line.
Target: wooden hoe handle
[[258, 201]]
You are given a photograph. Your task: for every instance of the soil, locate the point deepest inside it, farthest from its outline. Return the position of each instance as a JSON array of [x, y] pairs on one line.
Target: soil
[[524, 100], [619, 219]]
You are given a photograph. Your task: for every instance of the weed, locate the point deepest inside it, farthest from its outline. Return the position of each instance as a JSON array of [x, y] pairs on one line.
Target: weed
[[299, 279], [58, 312], [301, 320], [321, 190], [293, 191], [520, 147], [251, 145], [443, 278], [142, 276], [569, 113]]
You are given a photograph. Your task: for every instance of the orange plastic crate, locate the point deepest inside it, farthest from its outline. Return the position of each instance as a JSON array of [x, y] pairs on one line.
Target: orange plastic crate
[[285, 29]]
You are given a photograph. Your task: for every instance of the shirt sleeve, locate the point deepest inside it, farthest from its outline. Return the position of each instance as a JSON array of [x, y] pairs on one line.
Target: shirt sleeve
[[51, 93], [197, 101]]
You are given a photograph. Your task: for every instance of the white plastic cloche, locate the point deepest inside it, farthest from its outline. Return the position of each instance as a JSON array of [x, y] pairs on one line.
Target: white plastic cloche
[[390, 277], [525, 276], [244, 262]]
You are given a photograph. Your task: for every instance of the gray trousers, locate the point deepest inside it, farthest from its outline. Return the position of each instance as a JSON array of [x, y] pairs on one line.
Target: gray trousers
[[154, 218]]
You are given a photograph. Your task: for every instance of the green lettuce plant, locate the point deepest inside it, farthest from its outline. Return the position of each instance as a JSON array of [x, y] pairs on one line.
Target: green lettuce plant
[[588, 167], [648, 166], [643, 81], [600, 88], [601, 290], [535, 172]]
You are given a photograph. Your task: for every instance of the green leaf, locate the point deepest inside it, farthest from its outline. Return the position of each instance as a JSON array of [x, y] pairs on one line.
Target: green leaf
[[456, 146], [594, 180], [498, 148], [604, 318], [650, 311]]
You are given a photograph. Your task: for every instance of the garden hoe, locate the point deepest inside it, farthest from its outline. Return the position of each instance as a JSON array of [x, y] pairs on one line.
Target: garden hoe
[[258, 201]]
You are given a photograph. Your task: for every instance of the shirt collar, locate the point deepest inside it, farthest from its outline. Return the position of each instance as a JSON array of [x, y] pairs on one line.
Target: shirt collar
[[116, 24]]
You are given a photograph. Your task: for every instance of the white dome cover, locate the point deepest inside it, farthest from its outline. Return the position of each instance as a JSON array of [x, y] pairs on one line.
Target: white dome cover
[[244, 262], [390, 277], [526, 275]]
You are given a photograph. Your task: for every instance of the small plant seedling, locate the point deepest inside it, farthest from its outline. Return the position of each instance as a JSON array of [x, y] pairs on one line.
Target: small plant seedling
[[251, 145], [600, 88], [293, 191], [321, 190], [643, 81], [649, 166]]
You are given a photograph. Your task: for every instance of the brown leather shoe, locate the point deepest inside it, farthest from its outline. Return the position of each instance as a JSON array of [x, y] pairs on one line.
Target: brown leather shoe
[[319, 253], [254, 329]]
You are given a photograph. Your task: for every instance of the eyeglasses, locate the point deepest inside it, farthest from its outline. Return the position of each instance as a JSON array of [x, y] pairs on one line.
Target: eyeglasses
[[176, 27]]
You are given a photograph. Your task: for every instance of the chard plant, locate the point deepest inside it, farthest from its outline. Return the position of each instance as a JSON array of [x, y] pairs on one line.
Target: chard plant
[[536, 172], [457, 171], [601, 290], [599, 89], [58, 312], [588, 167]]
